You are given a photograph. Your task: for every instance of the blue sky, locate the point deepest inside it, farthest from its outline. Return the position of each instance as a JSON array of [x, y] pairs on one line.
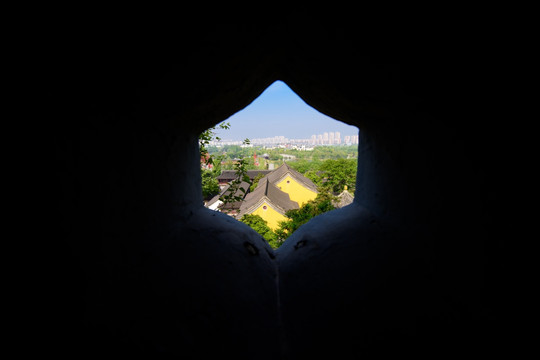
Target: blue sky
[[279, 111]]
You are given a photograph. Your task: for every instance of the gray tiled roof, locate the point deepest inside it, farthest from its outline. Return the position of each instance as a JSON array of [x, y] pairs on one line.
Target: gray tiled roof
[[344, 199], [266, 190], [276, 175], [226, 191], [227, 175]]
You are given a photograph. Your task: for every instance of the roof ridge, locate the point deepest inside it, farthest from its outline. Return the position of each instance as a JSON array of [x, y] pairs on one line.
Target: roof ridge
[[299, 177], [278, 198], [266, 190]]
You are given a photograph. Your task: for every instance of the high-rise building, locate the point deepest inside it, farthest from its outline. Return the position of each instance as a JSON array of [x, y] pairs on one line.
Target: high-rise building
[[325, 138], [331, 138], [337, 138]]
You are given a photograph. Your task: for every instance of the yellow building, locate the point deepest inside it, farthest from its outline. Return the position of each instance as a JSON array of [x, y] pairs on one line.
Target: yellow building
[[268, 202], [300, 188], [281, 190]]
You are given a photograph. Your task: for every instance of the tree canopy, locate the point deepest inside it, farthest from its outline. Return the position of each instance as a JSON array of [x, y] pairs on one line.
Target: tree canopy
[[338, 174], [298, 217], [260, 225], [329, 175]]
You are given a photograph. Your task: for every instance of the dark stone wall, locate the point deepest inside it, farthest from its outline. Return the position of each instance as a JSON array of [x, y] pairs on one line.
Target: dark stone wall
[[412, 266]]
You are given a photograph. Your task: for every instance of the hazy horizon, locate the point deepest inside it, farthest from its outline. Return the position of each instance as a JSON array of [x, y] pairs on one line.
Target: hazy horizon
[[280, 112]]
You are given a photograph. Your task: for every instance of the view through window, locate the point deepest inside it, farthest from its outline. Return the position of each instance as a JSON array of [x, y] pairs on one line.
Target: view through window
[[278, 163]]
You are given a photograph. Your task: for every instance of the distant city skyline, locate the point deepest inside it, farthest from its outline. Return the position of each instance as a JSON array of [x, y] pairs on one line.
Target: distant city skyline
[[327, 138], [278, 111]]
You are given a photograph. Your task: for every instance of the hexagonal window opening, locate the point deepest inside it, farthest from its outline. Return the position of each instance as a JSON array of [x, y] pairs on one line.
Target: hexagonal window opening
[[278, 163]]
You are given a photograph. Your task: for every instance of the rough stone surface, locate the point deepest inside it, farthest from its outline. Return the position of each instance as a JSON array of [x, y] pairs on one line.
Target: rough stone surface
[[410, 267]]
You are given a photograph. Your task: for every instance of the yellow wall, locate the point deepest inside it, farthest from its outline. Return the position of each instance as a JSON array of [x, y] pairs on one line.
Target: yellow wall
[[297, 192], [271, 216]]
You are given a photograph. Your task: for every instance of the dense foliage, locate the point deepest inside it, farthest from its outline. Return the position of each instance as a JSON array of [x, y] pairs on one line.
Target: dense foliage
[[319, 153], [260, 225], [210, 185], [210, 169], [298, 217]]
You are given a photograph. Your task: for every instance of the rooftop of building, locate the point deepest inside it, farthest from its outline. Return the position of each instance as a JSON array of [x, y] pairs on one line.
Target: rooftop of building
[[266, 190], [276, 175]]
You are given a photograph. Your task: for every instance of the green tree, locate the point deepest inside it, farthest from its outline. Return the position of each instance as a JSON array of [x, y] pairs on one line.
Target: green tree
[[210, 185], [338, 173], [330, 175], [240, 167], [298, 217], [208, 135], [256, 181], [314, 175], [303, 166], [234, 186], [260, 225]]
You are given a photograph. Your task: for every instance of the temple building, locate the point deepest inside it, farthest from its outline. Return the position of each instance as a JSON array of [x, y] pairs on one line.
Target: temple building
[[268, 202], [279, 191], [300, 188]]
